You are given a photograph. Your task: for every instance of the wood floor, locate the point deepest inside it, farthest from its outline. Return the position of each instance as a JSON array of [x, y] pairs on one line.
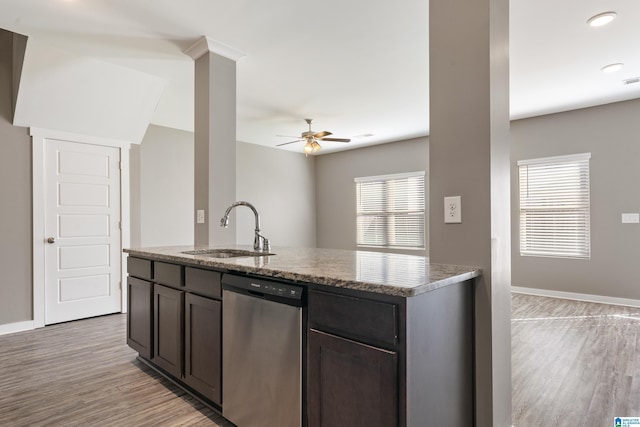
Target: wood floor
[[83, 374], [574, 364]]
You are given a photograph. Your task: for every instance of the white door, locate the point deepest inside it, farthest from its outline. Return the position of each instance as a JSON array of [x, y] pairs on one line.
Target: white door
[[82, 228]]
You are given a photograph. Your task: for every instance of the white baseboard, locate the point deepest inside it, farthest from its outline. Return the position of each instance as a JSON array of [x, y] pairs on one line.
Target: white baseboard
[[578, 297], [10, 328]]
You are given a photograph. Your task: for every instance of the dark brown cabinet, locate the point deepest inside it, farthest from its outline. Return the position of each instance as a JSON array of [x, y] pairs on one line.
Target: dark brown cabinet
[[168, 317], [381, 361], [175, 322], [140, 306], [350, 383], [369, 359], [352, 361], [202, 351], [140, 302]]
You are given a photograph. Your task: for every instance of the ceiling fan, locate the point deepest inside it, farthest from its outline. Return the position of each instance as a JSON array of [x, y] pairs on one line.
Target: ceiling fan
[[312, 145]]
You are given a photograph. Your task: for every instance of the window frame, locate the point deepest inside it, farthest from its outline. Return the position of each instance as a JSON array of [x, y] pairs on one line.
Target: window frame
[[390, 235], [555, 207]]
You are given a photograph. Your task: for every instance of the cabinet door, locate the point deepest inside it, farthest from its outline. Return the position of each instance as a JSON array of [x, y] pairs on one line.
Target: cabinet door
[[168, 306], [203, 341], [350, 384], [139, 317]]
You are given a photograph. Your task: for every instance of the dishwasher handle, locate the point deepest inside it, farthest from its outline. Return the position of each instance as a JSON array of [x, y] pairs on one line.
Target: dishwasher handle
[[256, 294]]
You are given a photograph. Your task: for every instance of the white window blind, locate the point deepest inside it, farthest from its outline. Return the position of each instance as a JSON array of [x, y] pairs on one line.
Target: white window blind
[[390, 211], [555, 206]]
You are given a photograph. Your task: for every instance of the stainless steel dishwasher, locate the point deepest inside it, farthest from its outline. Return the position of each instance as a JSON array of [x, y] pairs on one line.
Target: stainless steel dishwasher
[[262, 327]]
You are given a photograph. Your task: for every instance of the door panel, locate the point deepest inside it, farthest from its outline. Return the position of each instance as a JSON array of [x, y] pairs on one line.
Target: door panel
[[83, 225], [72, 257], [82, 215], [78, 288], [75, 162], [83, 195]]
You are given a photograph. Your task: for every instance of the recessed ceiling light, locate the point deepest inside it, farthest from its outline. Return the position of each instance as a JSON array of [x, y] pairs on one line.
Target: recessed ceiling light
[[612, 68], [601, 19]]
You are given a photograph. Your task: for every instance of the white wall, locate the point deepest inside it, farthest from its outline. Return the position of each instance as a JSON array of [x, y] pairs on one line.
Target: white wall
[[335, 188], [611, 133], [78, 94]]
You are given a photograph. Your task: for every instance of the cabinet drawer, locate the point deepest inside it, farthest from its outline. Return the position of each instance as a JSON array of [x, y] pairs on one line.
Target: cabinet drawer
[[168, 274], [364, 320], [205, 282], [139, 267]]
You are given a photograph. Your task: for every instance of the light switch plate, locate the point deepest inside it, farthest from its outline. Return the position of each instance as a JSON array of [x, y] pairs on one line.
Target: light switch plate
[[630, 218], [452, 210], [200, 216]]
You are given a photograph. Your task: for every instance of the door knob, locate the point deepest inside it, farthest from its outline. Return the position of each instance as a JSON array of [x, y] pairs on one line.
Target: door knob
[[51, 240]]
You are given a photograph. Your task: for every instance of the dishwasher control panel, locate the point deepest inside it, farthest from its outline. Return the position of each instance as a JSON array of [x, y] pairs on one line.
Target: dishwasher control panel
[[265, 288], [279, 289]]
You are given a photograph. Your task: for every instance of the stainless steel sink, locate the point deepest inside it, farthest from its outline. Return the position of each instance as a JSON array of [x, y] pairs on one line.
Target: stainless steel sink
[[226, 253]]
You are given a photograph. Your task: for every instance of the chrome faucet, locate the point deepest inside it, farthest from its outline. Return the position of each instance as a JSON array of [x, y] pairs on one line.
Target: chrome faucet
[[260, 243]]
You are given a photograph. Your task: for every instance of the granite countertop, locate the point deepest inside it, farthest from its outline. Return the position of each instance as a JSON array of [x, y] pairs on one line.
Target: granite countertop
[[383, 273]]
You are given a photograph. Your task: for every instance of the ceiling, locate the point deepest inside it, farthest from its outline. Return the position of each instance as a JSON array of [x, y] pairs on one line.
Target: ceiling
[[357, 68]]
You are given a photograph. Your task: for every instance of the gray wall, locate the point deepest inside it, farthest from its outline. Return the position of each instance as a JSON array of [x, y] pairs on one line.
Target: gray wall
[[166, 187], [280, 184], [469, 156], [611, 133], [135, 232], [15, 193], [335, 188], [215, 144]]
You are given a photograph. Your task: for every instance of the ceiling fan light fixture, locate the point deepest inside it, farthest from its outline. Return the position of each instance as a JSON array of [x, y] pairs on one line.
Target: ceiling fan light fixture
[[612, 68], [601, 19], [311, 139], [308, 148]]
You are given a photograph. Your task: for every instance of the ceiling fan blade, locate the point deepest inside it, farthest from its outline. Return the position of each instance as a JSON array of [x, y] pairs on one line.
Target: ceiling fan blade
[[322, 134], [289, 136], [290, 142], [337, 139]]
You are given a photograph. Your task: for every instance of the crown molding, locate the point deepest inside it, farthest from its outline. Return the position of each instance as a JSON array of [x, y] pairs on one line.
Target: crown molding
[[206, 44]]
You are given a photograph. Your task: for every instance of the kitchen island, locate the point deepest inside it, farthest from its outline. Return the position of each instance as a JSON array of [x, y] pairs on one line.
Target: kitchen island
[[387, 338]]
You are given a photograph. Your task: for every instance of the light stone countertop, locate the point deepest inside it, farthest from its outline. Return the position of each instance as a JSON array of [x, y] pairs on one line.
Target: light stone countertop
[[383, 273]]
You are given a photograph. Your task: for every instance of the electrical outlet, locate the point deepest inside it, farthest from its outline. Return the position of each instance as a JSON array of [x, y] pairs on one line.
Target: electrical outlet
[[452, 210], [630, 218], [200, 216]]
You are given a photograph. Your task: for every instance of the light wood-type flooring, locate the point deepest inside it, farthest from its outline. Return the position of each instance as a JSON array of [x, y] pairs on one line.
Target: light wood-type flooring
[[83, 374], [574, 364]]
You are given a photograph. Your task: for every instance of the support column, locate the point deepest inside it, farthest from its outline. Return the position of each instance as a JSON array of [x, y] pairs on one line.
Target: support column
[[469, 157], [215, 138]]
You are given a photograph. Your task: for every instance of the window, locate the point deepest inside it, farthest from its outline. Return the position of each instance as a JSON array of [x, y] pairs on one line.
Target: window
[[390, 211], [554, 207]]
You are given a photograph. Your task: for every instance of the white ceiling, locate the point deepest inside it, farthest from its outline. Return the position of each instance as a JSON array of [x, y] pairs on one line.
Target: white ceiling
[[356, 67]]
